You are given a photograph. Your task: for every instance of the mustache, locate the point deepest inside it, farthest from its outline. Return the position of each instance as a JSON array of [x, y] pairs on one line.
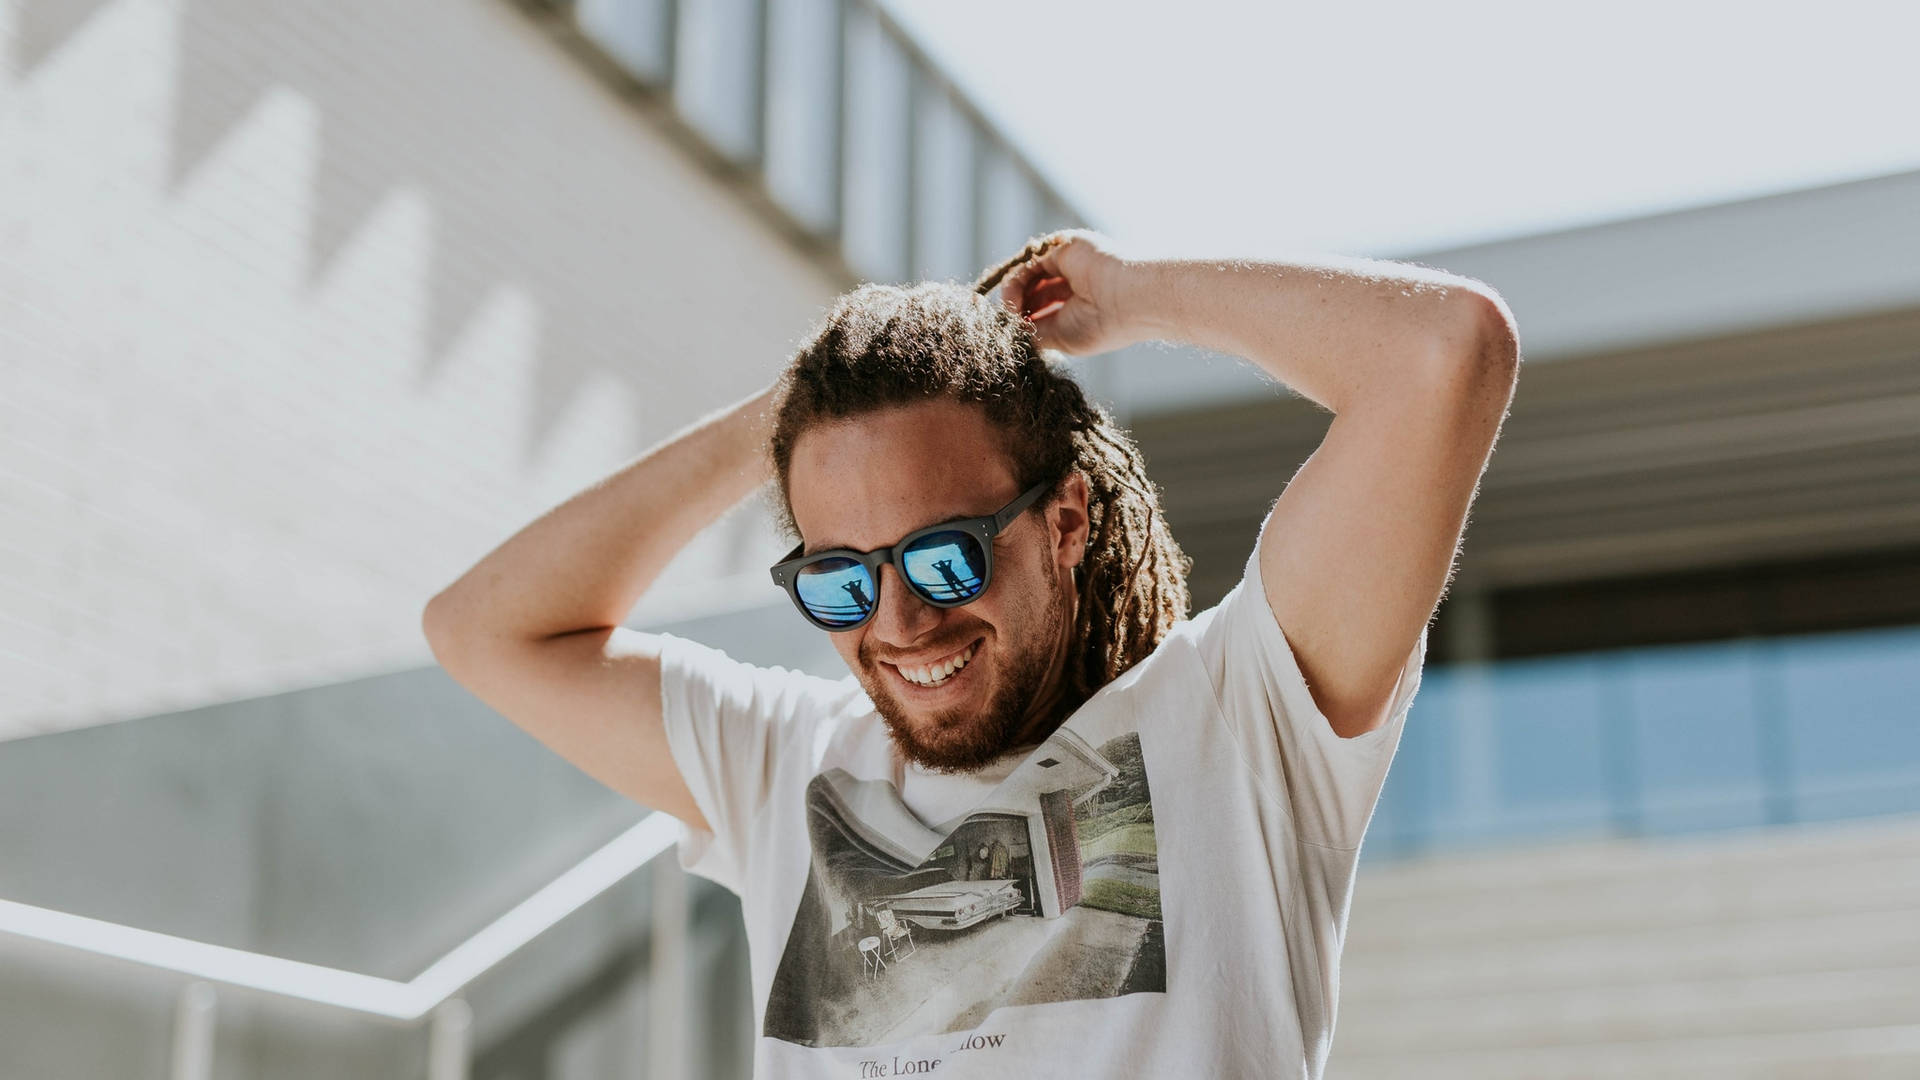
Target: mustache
[[868, 658]]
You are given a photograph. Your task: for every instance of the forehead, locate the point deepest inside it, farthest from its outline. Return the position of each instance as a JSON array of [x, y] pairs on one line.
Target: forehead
[[866, 482]]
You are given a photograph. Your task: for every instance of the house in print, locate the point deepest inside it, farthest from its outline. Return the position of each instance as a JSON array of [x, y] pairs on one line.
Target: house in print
[[1018, 853], [1036, 803]]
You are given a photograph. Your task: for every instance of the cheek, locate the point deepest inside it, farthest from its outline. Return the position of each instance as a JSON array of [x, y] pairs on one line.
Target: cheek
[[848, 646], [1032, 574], [1017, 599]]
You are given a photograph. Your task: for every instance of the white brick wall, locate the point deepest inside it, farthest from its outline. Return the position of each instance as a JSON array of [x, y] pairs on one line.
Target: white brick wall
[[304, 306]]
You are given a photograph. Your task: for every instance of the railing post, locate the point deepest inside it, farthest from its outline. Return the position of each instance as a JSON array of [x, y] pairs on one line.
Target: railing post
[[667, 972], [193, 1017], [450, 1041]]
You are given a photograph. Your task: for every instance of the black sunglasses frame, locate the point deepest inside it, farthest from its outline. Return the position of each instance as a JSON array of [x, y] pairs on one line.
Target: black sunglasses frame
[[786, 572]]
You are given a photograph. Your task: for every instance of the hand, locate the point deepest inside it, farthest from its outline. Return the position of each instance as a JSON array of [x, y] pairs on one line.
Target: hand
[[1073, 294]]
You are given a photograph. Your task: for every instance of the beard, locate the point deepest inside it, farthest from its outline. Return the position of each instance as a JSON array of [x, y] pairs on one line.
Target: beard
[[968, 737]]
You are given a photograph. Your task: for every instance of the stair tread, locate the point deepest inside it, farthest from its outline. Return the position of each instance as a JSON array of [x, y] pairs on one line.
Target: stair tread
[[1877, 840], [1857, 1052], [1372, 971], [1745, 1005]]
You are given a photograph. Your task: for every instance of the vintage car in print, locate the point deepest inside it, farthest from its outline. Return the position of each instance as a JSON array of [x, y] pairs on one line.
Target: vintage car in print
[[954, 905]]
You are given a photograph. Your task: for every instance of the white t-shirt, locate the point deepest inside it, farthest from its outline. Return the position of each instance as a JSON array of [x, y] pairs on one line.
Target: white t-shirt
[[1160, 889]]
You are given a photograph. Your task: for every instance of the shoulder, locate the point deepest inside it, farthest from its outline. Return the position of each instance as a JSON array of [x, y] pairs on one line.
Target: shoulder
[[702, 677], [1173, 662]]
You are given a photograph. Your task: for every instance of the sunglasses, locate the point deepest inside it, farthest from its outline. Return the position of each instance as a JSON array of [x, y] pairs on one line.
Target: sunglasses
[[945, 565]]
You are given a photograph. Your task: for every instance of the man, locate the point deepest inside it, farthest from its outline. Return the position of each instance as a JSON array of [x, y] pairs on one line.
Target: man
[[986, 553]]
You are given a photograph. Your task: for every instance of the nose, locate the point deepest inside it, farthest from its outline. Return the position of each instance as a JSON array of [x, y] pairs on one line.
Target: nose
[[901, 617]]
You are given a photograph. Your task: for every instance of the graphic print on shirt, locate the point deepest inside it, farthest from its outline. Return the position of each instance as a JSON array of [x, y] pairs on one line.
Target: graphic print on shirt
[[1048, 891]]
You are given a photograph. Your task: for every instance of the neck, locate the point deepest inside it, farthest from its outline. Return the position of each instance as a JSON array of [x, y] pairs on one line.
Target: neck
[[1052, 705]]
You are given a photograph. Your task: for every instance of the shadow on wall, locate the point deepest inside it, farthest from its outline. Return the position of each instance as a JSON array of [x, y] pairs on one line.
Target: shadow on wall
[[512, 200]]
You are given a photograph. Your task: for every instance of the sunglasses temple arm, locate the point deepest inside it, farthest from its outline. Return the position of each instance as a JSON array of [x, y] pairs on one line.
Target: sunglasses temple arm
[[1019, 506]]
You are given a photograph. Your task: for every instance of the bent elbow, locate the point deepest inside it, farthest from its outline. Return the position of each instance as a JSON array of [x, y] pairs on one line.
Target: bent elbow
[[1476, 360], [437, 626], [1495, 336]]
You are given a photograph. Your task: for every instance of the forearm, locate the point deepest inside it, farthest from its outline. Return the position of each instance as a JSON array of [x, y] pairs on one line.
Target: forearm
[[585, 563], [1340, 331]]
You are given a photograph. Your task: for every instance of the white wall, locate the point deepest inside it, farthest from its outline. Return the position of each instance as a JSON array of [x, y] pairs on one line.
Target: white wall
[[304, 307]]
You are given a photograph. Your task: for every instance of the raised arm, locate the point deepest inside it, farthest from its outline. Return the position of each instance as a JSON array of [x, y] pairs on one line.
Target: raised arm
[[534, 628], [1418, 368]]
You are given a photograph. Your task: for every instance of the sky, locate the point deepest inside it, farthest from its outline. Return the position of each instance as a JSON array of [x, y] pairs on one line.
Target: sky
[[1392, 129]]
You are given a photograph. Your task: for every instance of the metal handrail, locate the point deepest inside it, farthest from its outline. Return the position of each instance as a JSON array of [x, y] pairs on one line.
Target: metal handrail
[[426, 993]]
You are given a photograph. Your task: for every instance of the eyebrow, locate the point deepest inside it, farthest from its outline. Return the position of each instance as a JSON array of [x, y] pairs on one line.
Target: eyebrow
[[815, 550]]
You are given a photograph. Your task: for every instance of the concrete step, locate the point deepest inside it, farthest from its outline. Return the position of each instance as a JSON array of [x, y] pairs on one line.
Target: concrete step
[[1774, 953], [1374, 974], [1660, 893], [1860, 1053], [1502, 870], [1579, 1015]]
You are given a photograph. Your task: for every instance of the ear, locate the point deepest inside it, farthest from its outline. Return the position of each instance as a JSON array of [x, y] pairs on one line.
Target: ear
[[1068, 520]]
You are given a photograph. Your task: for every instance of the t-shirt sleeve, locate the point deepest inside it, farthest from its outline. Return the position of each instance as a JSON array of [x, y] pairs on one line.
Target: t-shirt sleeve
[[731, 726], [1329, 784]]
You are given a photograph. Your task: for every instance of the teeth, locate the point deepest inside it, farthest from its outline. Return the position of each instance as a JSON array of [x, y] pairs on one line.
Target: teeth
[[939, 673]]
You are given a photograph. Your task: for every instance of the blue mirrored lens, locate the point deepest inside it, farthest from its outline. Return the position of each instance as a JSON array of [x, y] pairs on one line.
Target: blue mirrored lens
[[838, 592], [947, 566]]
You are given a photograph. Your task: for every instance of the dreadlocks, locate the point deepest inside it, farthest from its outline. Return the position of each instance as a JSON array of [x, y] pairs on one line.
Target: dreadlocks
[[885, 345]]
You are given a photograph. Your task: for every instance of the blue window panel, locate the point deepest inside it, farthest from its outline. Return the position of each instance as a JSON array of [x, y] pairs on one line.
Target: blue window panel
[[873, 230], [802, 154], [1851, 706], [1421, 789], [1696, 744], [636, 34], [1467, 805], [1657, 740], [1551, 773], [717, 73], [943, 167], [1009, 205]]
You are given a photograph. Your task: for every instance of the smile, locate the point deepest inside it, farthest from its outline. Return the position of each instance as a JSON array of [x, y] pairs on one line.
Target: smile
[[938, 673]]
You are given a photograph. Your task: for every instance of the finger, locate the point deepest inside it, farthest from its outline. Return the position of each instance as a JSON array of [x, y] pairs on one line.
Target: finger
[[1013, 288], [1048, 261], [1045, 296], [1030, 289]]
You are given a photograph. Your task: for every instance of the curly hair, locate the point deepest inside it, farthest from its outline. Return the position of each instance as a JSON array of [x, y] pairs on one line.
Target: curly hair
[[885, 345]]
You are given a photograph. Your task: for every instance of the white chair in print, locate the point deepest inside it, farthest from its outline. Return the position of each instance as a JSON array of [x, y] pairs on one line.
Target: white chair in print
[[870, 960], [893, 928]]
